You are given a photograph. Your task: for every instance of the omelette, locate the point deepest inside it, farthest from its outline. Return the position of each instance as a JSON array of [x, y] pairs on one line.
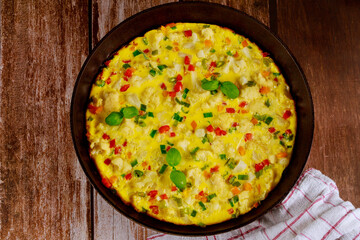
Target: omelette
[[191, 124]]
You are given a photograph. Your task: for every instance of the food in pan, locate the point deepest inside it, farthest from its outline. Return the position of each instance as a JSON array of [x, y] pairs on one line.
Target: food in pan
[[191, 124]]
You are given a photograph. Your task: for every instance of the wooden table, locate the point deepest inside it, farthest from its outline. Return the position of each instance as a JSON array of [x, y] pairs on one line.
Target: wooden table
[[44, 193]]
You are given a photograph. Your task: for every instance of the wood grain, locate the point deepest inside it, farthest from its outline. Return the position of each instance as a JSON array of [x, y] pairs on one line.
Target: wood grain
[[323, 36], [43, 192]]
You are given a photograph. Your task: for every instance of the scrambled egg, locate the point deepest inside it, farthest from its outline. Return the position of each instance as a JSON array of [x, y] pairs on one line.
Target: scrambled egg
[[213, 97]]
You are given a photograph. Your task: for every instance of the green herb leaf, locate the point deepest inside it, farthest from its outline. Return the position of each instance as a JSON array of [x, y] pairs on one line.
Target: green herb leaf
[[208, 115], [162, 67], [267, 103], [212, 50], [268, 120], [153, 132], [163, 149], [114, 118], [129, 112], [230, 90], [210, 85], [173, 157], [134, 163], [178, 178], [211, 196], [220, 64], [229, 53], [186, 90], [138, 173], [193, 213], [250, 83], [163, 168], [126, 66], [137, 52], [152, 72]]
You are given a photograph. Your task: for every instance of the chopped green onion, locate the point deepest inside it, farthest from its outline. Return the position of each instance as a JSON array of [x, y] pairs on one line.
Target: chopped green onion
[[144, 210], [126, 65], [174, 27], [250, 83], [193, 213], [146, 42], [138, 173], [188, 184], [232, 179], [177, 117], [231, 202], [150, 114], [122, 175], [137, 52], [163, 168], [220, 64], [141, 194], [267, 61], [267, 103], [211, 196], [178, 201], [134, 163], [162, 67], [236, 198], [222, 156], [213, 92], [172, 80], [205, 139], [276, 74], [282, 143], [100, 83], [268, 120], [143, 107], [169, 143], [155, 52], [243, 177], [259, 117], [236, 184], [169, 47], [208, 114], [203, 63], [166, 38], [204, 167], [206, 26], [202, 205], [249, 47], [90, 119], [153, 132], [229, 53], [212, 50], [185, 93], [193, 152], [152, 72], [163, 149]]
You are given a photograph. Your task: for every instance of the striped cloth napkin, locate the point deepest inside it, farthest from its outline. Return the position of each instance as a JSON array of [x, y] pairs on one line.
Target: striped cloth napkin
[[312, 210]]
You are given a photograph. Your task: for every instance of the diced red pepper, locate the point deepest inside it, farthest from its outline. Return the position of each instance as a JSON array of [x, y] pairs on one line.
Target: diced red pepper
[[223, 132], [288, 132], [107, 161], [163, 86], [105, 136], [187, 60], [95, 110], [271, 130], [164, 196], [126, 79], [287, 114], [236, 55], [214, 169], [218, 131], [281, 137], [108, 81], [172, 134], [242, 104], [235, 124], [261, 165], [173, 188], [149, 167], [193, 125], [152, 193], [128, 176], [188, 33], [112, 143], [168, 148], [172, 94], [126, 61], [213, 64], [154, 209], [124, 88], [248, 137], [146, 50], [125, 144], [191, 68], [106, 182], [107, 63], [230, 110], [276, 80], [266, 162], [179, 77], [230, 211], [164, 129], [202, 193], [210, 128], [117, 150], [265, 54], [128, 72], [178, 87]]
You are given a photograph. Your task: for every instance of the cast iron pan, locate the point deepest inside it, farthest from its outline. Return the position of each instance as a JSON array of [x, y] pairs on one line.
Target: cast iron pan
[[224, 16]]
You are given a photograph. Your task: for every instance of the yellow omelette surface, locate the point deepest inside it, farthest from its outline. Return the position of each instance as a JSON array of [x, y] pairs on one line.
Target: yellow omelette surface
[[233, 150]]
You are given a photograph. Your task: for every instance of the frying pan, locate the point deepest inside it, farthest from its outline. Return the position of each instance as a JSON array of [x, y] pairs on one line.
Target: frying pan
[[197, 12]]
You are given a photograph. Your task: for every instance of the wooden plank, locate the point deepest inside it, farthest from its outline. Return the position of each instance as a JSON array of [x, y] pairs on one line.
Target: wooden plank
[[108, 223], [43, 191], [323, 35]]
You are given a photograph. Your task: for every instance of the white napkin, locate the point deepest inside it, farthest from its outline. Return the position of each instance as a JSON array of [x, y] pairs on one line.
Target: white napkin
[[312, 210]]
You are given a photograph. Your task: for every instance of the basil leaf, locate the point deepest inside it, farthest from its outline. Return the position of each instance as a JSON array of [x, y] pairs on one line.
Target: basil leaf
[[210, 85], [178, 178], [173, 157], [130, 112], [230, 89], [114, 118]]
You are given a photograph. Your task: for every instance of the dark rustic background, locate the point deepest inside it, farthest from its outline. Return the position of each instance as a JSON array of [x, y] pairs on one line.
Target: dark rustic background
[[43, 192]]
